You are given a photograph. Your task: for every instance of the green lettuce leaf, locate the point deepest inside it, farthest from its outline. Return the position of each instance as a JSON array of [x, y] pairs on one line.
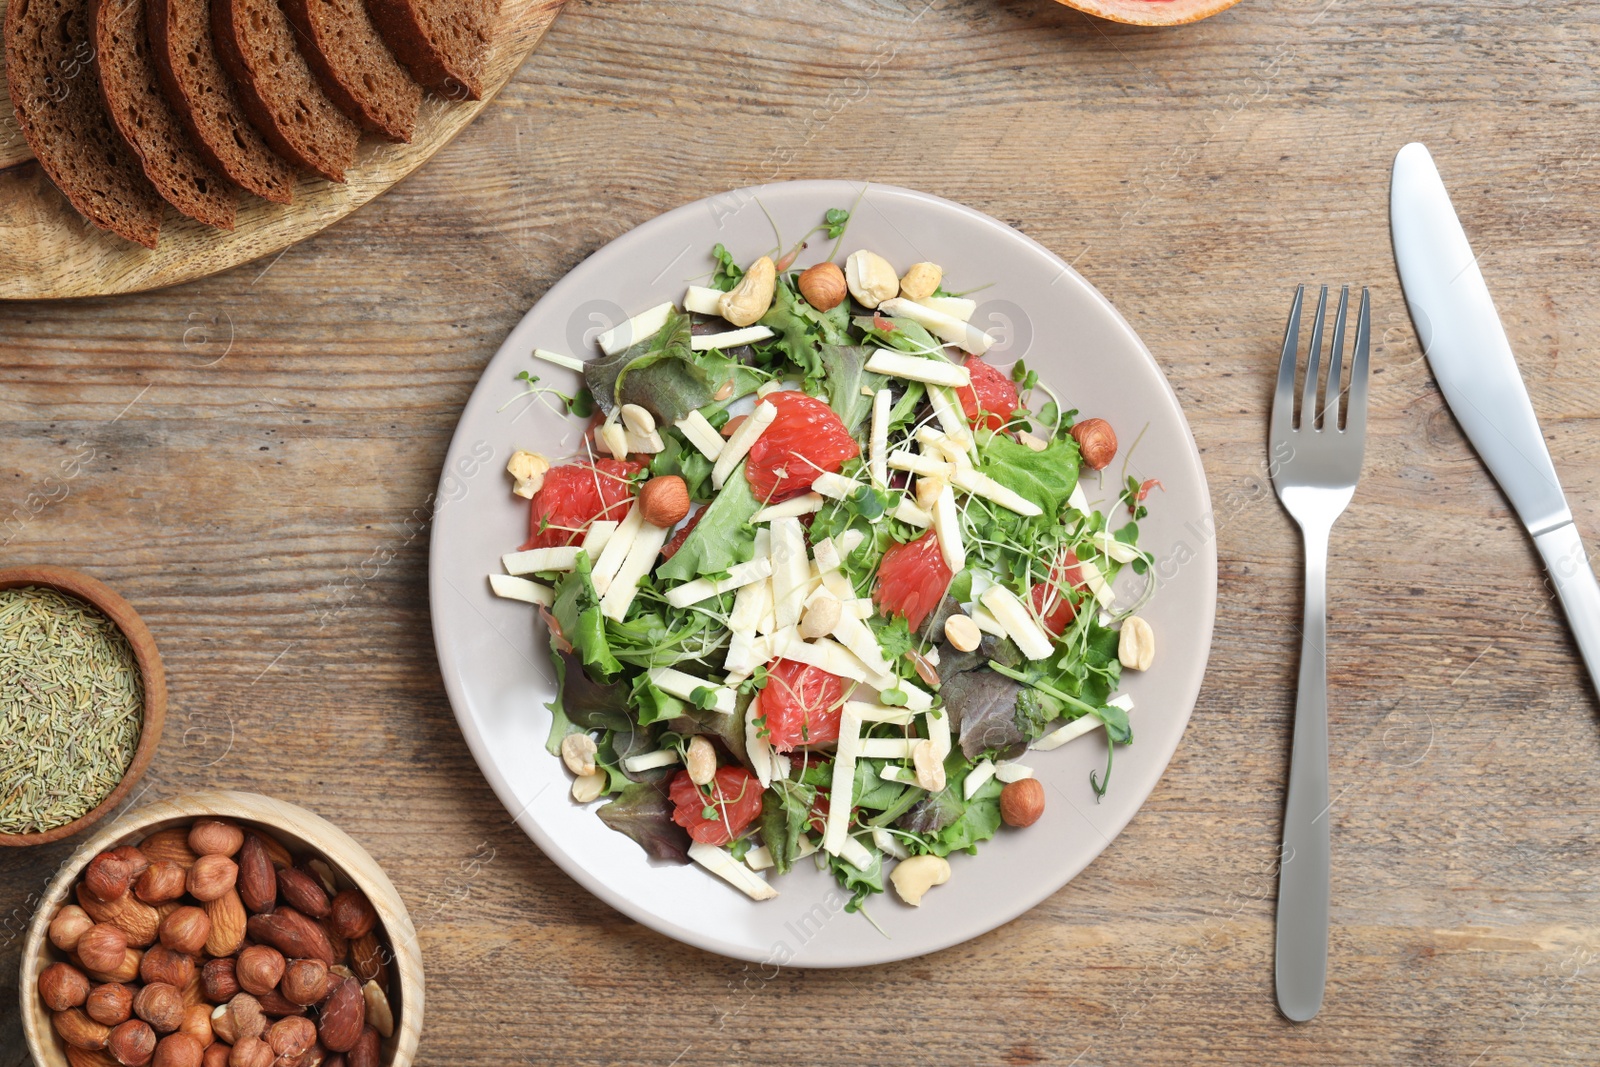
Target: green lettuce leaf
[[1045, 478], [858, 883], [577, 611], [785, 814], [721, 538], [846, 374]]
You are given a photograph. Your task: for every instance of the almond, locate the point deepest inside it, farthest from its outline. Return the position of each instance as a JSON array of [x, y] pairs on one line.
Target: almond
[[344, 1014], [302, 892], [161, 964], [276, 1005], [291, 933], [125, 971], [80, 1031], [82, 1057], [133, 917], [227, 924], [258, 882], [368, 959], [275, 851], [171, 844], [353, 915]]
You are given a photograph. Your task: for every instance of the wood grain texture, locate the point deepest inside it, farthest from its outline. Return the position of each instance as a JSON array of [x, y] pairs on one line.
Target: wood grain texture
[[47, 250], [258, 451]]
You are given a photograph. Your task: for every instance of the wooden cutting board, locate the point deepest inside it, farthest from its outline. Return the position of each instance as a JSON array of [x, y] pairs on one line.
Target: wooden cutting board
[[48, 250]]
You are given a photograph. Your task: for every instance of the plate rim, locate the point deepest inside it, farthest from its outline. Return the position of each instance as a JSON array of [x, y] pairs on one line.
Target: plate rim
[[438, 586]]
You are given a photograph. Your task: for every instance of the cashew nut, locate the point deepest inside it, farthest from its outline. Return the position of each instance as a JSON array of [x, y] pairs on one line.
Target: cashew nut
[[527, 469], [821, 618], [870, 278], [746, 302], [577, 752], [930, 769], [587, 787], [915, 876], [1136, 648], [921, 281], [700, 760]]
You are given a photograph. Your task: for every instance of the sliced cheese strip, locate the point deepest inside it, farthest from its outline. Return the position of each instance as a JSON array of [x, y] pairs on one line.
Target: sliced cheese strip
[[594, 541], [1110, 546], [947, 410], [1009, 772], [977, 778], [1018, 622], [894, 772], [1076, 500], [919, 464], [1094, 580], [836, 583], [947, 328], [933, 370], [863, 608], [703, 300], [643, 325], [683, 685], [706, 342], [878, 442], [522, 589], [856, 854], [722, 864], [827, 555], [868, 712], [957, 307], [739, 576], [886, 748], [646, 444], [558, 359], [738, 445], [911, 515], [760, 857], [700, 433], [791, 570], [804, 504], [829, 656], [649, 761], [837, 829], [755, 743], [1078, 727], [535, 560], [638, 563], [835, 486], [980, 484], [616, 549], [947, 527], [939, 732], [888, 843], [858, 637], [849, 541], [987, 623]]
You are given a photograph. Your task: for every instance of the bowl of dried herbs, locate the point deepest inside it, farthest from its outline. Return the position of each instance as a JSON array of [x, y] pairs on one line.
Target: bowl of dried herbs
[[82, 699]]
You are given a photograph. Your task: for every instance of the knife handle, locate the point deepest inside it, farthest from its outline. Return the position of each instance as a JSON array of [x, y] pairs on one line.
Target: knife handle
[[1568, 564]]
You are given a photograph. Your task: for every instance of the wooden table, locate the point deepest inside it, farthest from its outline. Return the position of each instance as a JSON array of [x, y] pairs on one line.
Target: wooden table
[[250, 458]]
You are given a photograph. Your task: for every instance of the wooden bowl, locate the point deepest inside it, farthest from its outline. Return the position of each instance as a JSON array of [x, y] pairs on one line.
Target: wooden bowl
[[119, 611], [301, 832]]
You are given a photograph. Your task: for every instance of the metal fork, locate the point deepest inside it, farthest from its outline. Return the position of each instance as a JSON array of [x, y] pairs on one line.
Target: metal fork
[[1314, 465]]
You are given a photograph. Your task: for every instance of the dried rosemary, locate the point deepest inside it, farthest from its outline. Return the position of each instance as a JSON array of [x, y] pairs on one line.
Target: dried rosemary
[[71, 706]]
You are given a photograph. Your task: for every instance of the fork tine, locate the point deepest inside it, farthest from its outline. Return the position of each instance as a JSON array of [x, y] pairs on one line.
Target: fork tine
[[1283, 397], [1308, 396], [1330, 399], [1355, 419]]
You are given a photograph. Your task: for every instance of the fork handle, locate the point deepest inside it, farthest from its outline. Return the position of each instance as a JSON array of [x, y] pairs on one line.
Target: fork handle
[[1304, 867]]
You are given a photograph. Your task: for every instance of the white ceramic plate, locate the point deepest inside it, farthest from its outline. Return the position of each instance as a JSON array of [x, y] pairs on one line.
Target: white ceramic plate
[[493, 652]]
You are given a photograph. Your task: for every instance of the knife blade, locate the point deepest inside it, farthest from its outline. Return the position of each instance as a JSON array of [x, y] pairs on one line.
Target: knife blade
[[1472, 361]]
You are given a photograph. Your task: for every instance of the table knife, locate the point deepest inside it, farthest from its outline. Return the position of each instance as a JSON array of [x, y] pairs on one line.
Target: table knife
[[1472, 361]]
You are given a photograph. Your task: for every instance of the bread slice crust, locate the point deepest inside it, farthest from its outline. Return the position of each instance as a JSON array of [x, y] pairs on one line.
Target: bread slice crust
[[141, 113], [207, 103], [354, 66], [257, 46], [443, 43], [51, 78]]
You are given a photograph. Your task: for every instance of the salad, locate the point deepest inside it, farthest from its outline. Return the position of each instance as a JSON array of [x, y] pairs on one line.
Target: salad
[[822, 575]]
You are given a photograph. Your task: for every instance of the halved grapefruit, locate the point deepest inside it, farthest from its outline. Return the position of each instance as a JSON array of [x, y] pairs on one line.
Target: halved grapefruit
[[1152, 12]]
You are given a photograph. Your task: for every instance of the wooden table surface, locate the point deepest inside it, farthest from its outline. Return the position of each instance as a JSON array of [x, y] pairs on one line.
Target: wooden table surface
[[249, 459]]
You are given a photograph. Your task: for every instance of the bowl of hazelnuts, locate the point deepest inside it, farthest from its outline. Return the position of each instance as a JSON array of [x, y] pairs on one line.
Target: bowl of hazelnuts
[[221, 929]]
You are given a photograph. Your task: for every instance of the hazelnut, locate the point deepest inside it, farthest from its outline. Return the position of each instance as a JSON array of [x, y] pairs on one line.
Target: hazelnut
[[746, 302], [178, 1050], [664, 501], [823, 286], [1097, 441], [921, 281], [258, 882], [69, 925], [197, 1024], [366, 1049], [103, 947], [304, 981], [132, 1043], [136, 860], [80, 1031], [291, 1036], [125, 971], [218, 982], [527, 470], [185, 929], [259, 969], [353, 916], [211, 877], [250, 1052], [238, 1019], [870, 278], [275, 1005], [161, 1005], [108, 877], [63, 986], [213, 837], [110, 1003], [162, 964], [162, 881], [302, 892], [216, 1054], [1022, 802]]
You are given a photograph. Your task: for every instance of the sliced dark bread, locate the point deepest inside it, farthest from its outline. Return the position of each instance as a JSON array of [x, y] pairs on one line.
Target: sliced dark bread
[[354, 66], [256, 44], [147, 122], [443, 43], [50, 74], [206, 102]]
